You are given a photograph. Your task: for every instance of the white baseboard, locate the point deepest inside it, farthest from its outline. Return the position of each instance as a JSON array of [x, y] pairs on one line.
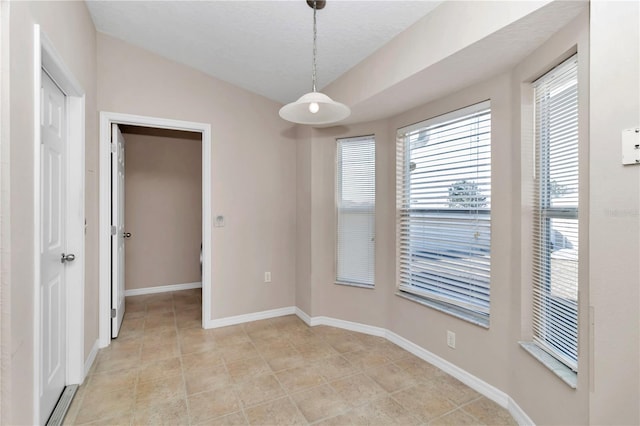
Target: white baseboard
[[518, 414], [303, 316], [239, 319], [480, 386], [349, 325], [91, 358], [162, 289]]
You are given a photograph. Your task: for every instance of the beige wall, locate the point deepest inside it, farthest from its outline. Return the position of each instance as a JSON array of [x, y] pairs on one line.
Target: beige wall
[[253, 165], [70, 29], [614, 214], [163, 210]]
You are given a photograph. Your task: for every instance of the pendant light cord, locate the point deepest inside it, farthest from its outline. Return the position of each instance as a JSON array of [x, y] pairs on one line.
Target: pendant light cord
[[315, 31]]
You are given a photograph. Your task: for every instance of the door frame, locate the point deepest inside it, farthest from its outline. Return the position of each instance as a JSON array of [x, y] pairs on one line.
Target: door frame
[[47, 58], [106, 120]]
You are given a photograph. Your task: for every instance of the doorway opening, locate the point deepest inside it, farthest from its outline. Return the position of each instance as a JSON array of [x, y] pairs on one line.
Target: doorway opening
[[162, 227], [150, 143]]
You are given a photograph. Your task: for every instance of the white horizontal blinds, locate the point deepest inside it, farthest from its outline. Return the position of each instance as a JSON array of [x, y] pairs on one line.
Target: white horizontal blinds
[[444, 205], [355, 202], [555, 239]]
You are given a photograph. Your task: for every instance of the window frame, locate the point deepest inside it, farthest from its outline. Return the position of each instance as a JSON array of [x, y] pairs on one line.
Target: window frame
[[403, 186], [543, 213], [342, 207]]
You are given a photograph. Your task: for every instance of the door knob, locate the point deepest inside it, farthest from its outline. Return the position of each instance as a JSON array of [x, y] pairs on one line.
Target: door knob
[[127, 234], [67, 258]]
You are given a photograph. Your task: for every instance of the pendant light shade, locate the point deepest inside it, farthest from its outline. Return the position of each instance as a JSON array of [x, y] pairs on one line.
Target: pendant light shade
[[315, 108]]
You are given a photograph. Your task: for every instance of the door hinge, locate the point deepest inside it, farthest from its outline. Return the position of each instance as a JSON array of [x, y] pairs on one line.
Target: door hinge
[[113, 147], [114, 230], [113, 313]]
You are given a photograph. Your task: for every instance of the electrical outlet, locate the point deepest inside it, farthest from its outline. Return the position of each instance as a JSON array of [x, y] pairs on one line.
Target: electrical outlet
[[451, 339], [267, 277]]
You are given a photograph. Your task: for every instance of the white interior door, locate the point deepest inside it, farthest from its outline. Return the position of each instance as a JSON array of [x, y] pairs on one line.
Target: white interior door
[[117, 229], [53, 254]]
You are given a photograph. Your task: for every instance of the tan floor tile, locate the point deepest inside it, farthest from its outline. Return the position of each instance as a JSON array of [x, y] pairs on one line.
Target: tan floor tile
[[186, 314], [279, 412], [371, 341], [379, 412], [365, 359], [345, 343], [132, 327], [233, 419], [160, 335], [334, 367], [159, 319], [201, 361], [160, 306], [210, 405], [283, 361], [395, 412], [418, 368], [195, 345], [319, 403], [424, 402], [245, 369], [115, 380], [274, 346], [200, 380], [167, 413], [358, 389], [231, 335], [455, 418], [392, 351], [153, 370], [489, 412], [454, 389], [157, 351], [258, 390], [238, 351], [299, 378], [122, 355], [98, 405], [115, 420], [391, 377], [151, 392], [316, 351]]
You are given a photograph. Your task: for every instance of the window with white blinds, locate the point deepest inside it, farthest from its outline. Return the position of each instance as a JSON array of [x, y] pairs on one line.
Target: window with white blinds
[[555, 239], [355, 205], [444, 212]]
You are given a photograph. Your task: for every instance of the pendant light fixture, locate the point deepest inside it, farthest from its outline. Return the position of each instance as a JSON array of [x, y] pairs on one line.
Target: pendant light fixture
[[315, 108]]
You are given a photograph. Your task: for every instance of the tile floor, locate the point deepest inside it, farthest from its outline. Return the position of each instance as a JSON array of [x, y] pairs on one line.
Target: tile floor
[[165, 369]]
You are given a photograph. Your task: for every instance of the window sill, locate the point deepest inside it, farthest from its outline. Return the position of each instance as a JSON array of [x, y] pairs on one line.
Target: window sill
[[369, 286], [567, 375], [447, 309]]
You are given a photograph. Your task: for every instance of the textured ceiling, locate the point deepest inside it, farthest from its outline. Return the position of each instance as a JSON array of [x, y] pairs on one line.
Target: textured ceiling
[[262, 46]]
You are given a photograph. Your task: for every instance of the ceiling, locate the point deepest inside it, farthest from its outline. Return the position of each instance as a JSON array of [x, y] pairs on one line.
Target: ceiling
[[262, 46]]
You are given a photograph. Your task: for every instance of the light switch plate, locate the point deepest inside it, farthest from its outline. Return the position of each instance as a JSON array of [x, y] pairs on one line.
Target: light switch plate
[[631, 146]]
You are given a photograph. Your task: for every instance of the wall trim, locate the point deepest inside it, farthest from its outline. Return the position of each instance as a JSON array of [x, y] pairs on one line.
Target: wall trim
[[239, 319], [88, 363], [162, 288]]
